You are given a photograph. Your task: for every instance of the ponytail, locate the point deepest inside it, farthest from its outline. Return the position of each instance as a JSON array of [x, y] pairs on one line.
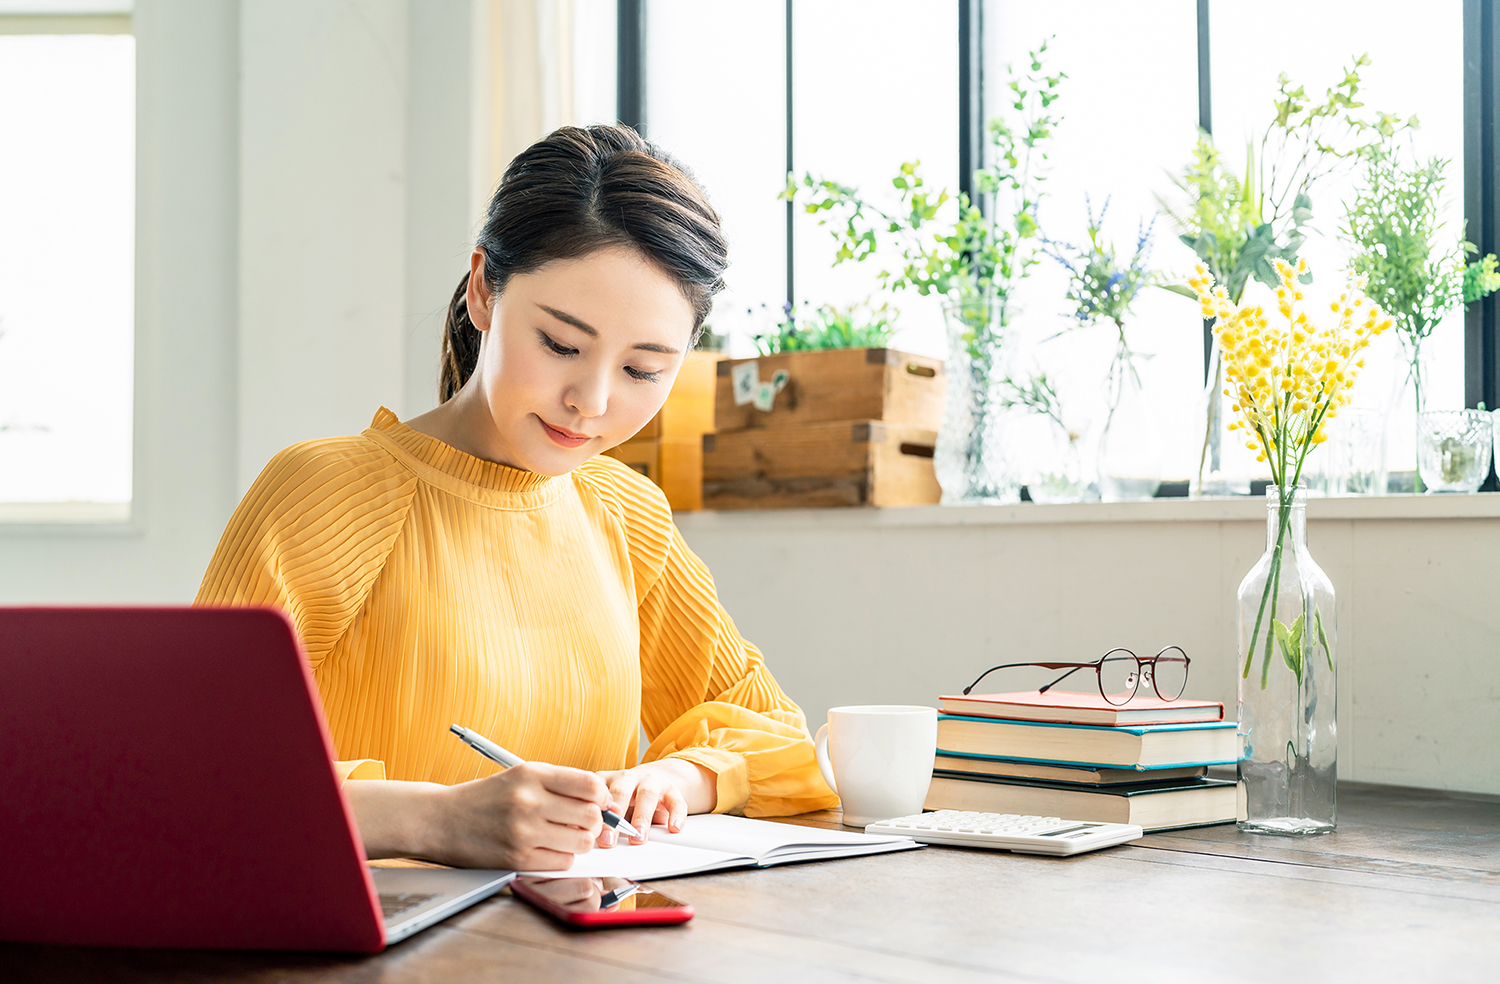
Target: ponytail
[[579, 190], [460, 345]]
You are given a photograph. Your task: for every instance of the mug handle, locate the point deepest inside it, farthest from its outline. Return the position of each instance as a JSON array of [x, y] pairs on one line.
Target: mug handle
[[820, 749]]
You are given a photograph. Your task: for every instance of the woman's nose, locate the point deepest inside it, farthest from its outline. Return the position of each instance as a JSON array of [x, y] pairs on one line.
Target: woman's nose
[[588, 395]]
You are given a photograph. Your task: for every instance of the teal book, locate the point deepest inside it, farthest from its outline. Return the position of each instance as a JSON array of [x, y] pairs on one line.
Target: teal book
[[989, 765], [1140, 747]]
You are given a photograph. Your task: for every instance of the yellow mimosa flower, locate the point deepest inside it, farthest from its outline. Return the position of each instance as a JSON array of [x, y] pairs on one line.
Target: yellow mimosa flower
[[1288, 380]]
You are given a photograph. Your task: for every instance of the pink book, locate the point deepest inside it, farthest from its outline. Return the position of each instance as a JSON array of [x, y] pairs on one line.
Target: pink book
[[1065, 707]]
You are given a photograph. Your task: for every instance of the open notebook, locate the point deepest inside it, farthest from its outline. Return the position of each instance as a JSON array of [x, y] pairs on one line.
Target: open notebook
[[714, 842]]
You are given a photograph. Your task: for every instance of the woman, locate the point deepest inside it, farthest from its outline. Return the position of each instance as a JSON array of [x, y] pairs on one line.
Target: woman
[[483, 564]]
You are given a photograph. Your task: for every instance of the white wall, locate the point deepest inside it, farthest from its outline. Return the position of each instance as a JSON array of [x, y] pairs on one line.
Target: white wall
[[186, 312], [902, 605], [303, 215], [322, 219], [444, 135], [354, 211]]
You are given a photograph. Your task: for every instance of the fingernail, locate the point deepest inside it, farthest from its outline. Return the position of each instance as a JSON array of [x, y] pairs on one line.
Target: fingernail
[[609, 837]]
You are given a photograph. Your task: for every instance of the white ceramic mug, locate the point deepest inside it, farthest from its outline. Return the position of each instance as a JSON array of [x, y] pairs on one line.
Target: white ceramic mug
[[878, 758]]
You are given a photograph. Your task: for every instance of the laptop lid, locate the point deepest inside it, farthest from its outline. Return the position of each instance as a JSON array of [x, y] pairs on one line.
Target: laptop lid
[[166, 780]]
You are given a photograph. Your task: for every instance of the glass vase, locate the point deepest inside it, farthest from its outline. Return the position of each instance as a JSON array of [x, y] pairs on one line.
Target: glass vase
[[1130, 449], [1408, 401], [1453, 449], [1287, 728], [1220, 468], [970, 456], [1047, 459]]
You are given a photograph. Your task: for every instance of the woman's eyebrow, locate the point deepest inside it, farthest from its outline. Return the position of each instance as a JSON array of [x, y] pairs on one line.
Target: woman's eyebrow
[[562, 316], [593, 332]]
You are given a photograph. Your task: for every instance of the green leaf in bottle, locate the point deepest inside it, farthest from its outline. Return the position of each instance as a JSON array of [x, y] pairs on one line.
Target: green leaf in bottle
[[1322, 636], [1290, 638]]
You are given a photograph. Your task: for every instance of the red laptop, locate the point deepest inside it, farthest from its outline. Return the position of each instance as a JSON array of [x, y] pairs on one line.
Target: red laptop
[[166, 780]]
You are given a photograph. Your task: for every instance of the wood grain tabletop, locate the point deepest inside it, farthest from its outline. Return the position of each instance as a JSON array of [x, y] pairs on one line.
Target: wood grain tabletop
[[1407, 889]]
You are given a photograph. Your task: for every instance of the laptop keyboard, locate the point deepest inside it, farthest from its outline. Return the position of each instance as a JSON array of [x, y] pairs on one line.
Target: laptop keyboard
[[392, 904]]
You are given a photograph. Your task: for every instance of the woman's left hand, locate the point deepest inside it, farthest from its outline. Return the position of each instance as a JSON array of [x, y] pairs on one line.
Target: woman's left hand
[[661, 792]]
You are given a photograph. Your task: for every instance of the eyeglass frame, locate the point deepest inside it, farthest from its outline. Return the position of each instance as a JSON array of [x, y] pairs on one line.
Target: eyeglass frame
[[1098, 667]]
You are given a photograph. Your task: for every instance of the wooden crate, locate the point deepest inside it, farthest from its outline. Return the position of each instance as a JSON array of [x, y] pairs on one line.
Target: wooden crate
[[838, 385], [669, 449], [676, 467], [689, 411], [831, 463]]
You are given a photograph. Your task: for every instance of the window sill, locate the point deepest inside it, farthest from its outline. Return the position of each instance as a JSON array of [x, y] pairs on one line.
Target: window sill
[[1477, 505], [48, 518]]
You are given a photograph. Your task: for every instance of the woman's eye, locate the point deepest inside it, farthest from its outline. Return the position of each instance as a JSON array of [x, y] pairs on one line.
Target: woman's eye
[[641, 374], [553, 346]]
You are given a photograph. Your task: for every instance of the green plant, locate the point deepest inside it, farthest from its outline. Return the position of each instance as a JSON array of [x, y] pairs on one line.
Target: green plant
[[946, 245], [1288, 382], [1225, 224], [1414, 272], [1239, 225], [1038, 395], [859, 325], [1102, 284]]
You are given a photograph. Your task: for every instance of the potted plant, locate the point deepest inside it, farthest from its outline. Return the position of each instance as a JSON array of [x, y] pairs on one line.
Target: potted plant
[[826, 415], [1412, 270], [974, 259], [828, 326], [1287, 380], [1103, 286]]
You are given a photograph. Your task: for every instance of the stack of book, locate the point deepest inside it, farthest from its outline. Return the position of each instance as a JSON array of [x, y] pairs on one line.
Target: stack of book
[[1078, 757]]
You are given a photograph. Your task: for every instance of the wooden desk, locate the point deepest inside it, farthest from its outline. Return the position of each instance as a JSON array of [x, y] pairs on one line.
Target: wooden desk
[[1407, 889]]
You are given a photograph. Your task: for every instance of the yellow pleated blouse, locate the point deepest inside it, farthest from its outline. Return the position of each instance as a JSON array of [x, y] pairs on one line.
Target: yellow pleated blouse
[[553, 615]]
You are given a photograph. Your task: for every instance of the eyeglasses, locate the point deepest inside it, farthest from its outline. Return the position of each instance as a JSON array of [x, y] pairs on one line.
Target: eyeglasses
[[1119, 673]]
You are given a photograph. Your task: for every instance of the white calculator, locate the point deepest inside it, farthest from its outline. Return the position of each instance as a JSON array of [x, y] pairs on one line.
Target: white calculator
[[1009, 832]]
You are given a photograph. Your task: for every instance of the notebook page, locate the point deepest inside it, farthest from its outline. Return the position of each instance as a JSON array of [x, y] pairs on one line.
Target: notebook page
[[763, 840], [653, 859]]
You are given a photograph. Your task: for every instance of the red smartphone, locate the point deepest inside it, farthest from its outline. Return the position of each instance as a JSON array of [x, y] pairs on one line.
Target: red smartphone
[[598, 903]]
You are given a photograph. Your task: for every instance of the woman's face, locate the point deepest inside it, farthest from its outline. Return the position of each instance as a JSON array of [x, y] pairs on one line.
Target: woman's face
[[578, 356]]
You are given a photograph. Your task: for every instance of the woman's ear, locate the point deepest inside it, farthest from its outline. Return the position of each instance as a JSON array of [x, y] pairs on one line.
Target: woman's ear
[[479, 295]]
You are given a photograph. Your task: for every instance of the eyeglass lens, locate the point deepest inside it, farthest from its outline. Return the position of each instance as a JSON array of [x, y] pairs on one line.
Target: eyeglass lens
[[1169, 673], [1119, 676]]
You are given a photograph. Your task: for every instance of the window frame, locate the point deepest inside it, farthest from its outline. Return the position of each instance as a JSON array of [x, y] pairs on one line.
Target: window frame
[[89, 517]]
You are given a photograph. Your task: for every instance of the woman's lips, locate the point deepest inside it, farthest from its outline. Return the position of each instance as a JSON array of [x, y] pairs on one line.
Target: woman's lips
[[563, 437]]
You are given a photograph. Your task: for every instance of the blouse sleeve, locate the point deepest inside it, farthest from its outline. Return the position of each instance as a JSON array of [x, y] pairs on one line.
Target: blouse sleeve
[[707, 697], [311, 536]]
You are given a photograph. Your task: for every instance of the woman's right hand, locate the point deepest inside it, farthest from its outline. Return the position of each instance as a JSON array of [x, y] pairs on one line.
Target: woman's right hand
[[531, 817]]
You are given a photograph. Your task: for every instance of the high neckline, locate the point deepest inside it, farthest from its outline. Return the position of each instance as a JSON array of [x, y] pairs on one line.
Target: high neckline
[[460, 466]]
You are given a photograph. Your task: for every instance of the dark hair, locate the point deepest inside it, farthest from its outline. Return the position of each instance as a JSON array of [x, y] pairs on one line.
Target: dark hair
[[578, 190]]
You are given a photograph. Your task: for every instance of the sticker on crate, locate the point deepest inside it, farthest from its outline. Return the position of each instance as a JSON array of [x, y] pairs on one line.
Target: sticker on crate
[[746, 380], [748, 387]]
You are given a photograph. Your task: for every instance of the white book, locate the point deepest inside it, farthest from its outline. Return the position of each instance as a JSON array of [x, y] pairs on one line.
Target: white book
[[717, 841]]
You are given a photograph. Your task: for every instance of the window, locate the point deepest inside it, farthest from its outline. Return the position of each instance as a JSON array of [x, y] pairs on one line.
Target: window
[[872, 90], [1127, 122], [67, 258], [1416, 67], [716, 99]]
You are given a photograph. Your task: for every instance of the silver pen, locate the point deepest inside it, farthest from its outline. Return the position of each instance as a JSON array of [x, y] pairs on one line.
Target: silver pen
[[495, 753]]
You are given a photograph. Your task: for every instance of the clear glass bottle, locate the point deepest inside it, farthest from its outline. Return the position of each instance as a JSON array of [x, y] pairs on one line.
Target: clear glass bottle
[[1288, 756], [1221, 469], [970, 456], [1130, 447]]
